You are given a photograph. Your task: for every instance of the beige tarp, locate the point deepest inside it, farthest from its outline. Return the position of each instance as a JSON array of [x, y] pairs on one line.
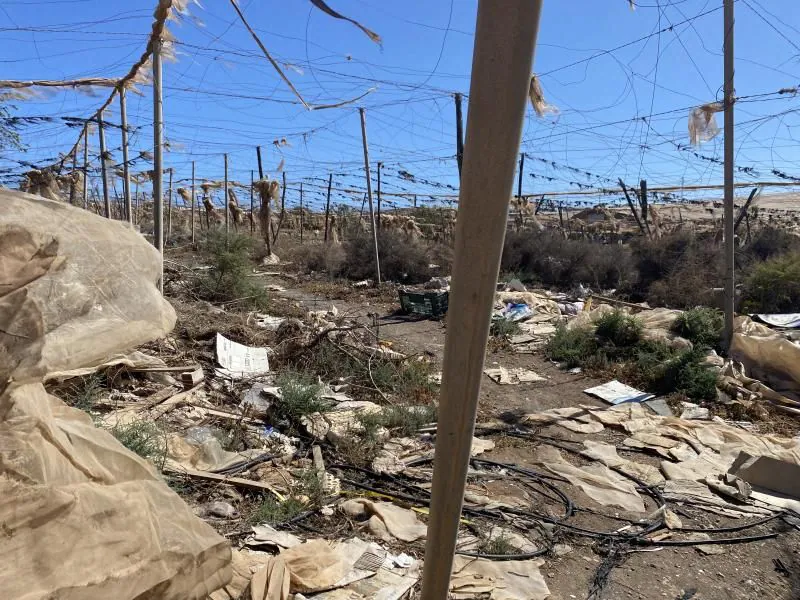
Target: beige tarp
[[83, 517], [497, 580], [767, 356]]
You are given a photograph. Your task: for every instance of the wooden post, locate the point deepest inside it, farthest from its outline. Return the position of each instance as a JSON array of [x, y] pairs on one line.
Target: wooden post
[[126, 180], [363, 202], [225, 200], [86, 167], [302, 217], [415, 201], [729, 99], [283, 209], [459, 134], [158, 166], [169, 207], [369, 193], [505, 37], [378, 223], [519, 180], [328, 205], [252, 214], [137, 201], [632, 207], [745, 208], [103, 175], [268, 208], [74, 171], [193, 201]]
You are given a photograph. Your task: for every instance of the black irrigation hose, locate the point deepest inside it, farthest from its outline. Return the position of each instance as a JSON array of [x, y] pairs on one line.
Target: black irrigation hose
[[244, 465], [718, 541]]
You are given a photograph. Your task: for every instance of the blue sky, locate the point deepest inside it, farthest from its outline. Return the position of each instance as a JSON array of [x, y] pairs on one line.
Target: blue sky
[[623, 90]]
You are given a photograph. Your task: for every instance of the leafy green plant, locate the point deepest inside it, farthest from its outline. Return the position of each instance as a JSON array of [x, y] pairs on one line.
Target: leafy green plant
[[571, 346], [228, 279], [273, 511], [401, 420], [701, 325], [773, 286], [499, 545], [619, 329], [503, 328], [300, 396], [144, 438]]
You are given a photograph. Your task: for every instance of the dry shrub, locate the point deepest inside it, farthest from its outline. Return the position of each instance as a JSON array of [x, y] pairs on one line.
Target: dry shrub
[[769, 242], [319, 258], [403, 260], [678, 270], [548, 258]]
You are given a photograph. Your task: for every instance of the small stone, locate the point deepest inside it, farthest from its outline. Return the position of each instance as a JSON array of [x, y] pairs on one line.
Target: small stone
[[222, 510]]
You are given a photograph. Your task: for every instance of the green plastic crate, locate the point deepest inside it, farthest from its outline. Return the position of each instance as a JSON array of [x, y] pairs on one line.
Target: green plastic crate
[[431, 303]]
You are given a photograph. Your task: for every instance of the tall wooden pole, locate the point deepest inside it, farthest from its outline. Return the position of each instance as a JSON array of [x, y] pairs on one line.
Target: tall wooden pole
[[86, 167], [103, 174], [302, 217], [73, 184], [193, 202], [252, 214], [283, 209], [369, 193], [728, 91], [268, 209], [505, 37], [328, 205], [126, 179], [521, 171], [158, 163], [459, 134], [225, 196], [378, 223]]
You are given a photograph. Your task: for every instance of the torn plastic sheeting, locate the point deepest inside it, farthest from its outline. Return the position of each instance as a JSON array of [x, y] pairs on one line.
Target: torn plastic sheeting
[[82, 289], [702, 123], [386, 518], [265, 535], [132, 360], [339, 422], [536, 96], [239, 361], [497, 580], [615, 392], [767, 356], [785, 321], [598, 482], [538, 303], [607, 454], [504, 376]]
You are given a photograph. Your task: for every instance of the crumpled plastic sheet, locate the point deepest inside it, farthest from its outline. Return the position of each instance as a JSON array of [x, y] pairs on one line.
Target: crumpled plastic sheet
[[83, 516]]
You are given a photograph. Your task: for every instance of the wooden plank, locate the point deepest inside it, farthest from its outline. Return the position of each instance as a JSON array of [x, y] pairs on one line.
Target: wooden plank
[[247, 484], [505, 37]]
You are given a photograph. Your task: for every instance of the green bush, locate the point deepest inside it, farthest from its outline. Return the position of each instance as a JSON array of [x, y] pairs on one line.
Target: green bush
[[571, 346], [700, 325], [144, 438], [228, 279], [503, 328], [619, 329], [773, 286], [300, 396], [667, 371], [401, 420]]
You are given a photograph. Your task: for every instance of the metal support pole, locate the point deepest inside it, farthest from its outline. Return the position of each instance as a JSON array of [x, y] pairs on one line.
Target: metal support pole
[[268, 209], [252, 214], [328, 205], [126, 179], [369, 193], [169, 207], [521, 171], [459, 135], [302, 217], [103, 174], [505, 37], [225, 197], [729, 99], [379, 195], [86, 167], [158, 166], [193, 202]]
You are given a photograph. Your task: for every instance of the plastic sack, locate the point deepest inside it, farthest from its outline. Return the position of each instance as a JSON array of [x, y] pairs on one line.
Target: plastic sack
[[703, 124], [83, 517]]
